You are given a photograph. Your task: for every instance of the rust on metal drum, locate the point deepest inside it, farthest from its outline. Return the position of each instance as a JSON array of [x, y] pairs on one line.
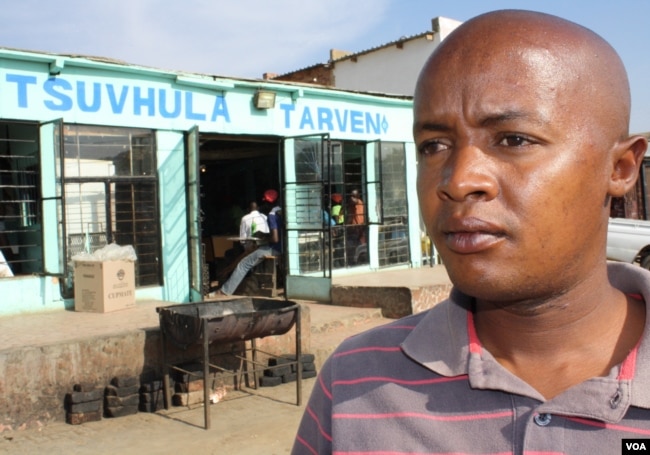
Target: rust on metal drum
[[228, 321]]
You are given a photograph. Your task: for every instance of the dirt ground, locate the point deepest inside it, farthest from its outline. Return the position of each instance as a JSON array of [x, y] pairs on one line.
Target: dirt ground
[[263, 421]]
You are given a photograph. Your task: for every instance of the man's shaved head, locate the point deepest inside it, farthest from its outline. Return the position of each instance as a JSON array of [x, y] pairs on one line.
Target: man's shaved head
[[521, 123], [580, 65]]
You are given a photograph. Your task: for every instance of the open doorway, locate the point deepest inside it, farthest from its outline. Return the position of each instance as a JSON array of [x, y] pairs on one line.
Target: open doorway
[[234, 171]]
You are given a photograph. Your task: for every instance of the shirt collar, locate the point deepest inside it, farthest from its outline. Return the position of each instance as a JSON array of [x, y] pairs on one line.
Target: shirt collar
[[443, 342]]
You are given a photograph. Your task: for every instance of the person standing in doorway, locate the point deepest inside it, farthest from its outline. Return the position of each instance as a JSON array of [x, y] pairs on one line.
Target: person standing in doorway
[[355, 219], [338, 241], [272, 247]]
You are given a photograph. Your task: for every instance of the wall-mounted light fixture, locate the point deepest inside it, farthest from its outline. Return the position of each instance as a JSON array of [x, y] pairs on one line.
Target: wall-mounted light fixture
[[56, 66], [264, 99]]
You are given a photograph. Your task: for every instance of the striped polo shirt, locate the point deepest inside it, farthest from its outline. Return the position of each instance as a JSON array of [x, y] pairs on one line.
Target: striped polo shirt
[[425, 385]]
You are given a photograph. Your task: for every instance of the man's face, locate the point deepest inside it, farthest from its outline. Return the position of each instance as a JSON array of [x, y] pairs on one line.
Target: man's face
[[512, 173]]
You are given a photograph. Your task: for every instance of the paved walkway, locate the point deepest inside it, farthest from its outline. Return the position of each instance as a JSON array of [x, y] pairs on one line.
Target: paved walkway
[[55, 327], [261, 422]]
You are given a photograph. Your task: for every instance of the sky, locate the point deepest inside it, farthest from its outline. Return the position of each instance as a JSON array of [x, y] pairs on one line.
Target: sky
[[246, 38]]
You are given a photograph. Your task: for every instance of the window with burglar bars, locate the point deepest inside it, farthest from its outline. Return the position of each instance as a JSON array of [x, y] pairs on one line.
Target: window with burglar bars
[[393, 242], [111, 194], [20, 217]]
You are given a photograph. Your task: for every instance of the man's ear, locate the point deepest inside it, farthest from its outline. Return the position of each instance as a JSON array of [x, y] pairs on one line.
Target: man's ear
[[627, 156]]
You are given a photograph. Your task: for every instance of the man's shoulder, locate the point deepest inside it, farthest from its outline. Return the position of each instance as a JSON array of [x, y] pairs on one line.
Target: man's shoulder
[[388, 335]]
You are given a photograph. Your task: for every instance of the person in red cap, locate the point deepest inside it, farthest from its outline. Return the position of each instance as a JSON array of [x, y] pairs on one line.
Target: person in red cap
[[270, 196], [273, 247]]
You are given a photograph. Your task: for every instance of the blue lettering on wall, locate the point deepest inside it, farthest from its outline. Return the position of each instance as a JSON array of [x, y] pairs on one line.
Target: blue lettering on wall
[[86, 95], [81, 97], [117, 104], [148, 101], [372, 126], [342, 122], [60, 94], [325, 119], [21, 87], [334, 119], [176, 110], [288, 109], [356, 121], [306, 119], [64, 102], [220, 109], [189, 114]]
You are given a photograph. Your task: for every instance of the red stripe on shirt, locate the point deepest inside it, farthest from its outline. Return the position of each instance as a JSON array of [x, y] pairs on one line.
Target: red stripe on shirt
[[398, 381], [369, 348], [307, 446], [610, 426], [406, 415], [474, 342], [318, 424], [326, 392], [392, 452]]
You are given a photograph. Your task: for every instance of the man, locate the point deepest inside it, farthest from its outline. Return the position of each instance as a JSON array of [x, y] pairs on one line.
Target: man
[[521, 125], [337, 209], [355, 216], [338, 241], [272, 248], [252, 223]]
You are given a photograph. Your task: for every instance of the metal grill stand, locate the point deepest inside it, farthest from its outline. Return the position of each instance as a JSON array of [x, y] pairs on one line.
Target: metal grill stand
[[253, 319]]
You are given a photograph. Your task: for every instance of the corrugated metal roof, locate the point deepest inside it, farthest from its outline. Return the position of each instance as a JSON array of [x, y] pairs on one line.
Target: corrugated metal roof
[[350, 56]]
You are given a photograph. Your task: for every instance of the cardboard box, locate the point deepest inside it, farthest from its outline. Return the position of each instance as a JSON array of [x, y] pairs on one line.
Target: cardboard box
[[221, 244], [103, 286]]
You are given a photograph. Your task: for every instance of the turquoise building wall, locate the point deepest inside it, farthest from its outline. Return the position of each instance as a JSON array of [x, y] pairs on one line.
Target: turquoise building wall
[[42, 87]]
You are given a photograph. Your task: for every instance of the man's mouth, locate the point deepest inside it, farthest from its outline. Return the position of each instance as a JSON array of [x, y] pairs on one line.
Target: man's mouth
[[472, 235]]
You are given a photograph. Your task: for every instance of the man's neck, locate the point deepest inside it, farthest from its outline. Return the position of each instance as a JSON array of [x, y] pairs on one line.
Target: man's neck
[[564, 341]]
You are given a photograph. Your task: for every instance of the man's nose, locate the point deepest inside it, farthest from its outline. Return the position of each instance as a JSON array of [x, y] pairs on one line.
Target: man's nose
[[468, 173]]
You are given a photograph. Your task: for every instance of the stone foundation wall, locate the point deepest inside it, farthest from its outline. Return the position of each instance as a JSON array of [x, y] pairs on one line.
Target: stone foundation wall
[[35, 380], [395, 302]]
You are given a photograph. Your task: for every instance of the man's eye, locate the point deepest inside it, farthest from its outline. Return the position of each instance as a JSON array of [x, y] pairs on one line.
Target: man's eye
[[514, 140], [431, 148]]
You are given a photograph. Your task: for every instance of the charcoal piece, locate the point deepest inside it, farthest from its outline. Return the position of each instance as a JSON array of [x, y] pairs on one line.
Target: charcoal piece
[[278, 371], [151, 386], [273, 361], [192, 386], [151, 397], [125, 381], [84, 397], [112, 391], [310, 366], [153, 406], [85, 387], [270, 381], [86, 407], [77, 418], [128, 400], [308, 374], [121, 411], [195, 371], [289, 377], [187, 399]]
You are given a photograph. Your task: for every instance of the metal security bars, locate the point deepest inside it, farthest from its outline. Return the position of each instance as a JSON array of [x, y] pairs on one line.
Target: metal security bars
[[20, 214], [111, 194]]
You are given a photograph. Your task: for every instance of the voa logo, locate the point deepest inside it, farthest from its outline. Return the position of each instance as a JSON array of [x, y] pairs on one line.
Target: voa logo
[[635, 446]]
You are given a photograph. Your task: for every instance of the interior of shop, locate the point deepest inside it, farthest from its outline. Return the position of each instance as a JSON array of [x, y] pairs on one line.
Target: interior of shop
[[234, 171]]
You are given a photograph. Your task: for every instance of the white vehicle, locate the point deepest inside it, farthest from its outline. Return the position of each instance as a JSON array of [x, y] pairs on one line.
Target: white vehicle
[[628, 240]]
